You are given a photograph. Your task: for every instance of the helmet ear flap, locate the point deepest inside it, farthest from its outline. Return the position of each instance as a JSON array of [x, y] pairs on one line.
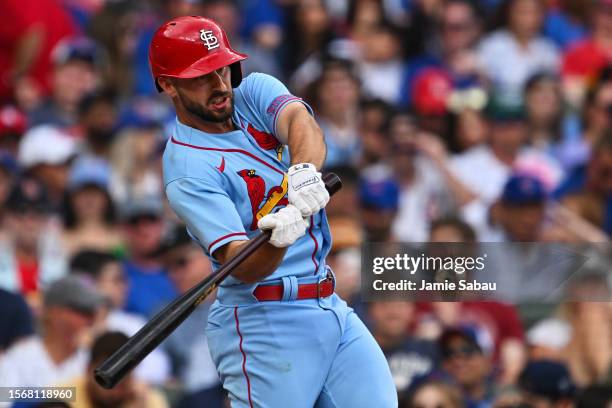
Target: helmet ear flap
[[236, 74]]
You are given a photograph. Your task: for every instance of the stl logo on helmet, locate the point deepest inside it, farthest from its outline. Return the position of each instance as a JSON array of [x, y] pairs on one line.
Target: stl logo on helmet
[[209, 39]]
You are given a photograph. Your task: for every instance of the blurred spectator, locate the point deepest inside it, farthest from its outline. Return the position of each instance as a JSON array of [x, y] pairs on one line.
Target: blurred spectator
[[373, 124], [459, 28], [435, 394], [591, 197], [98, 121], [187, 347], [431, 90], [129, 393], [30, 256], [106, 273], [89, 213], [8, 168], [13, 124], [150, 287], [119, 43], [30, 31], [308, 32], [135, 175], [467, 124], [589, 354], [468, 366], [547, 384], [45, 153], [544, 110], [516, 51], [17, 322], [410, 359], [518, 216], [56, 355], [336, 103], [483, 170], [379, 201], [381, 64], [424, 194], [582, 61], [75, 73], [597, 116]]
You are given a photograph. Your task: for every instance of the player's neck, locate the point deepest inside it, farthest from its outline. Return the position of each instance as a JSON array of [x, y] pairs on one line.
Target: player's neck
[[204, 125]]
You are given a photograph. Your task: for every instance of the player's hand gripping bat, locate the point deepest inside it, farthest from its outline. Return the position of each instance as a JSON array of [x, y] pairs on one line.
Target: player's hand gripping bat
[[163, 324]]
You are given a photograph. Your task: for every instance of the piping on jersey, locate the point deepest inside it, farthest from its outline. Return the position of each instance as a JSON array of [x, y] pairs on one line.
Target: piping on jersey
[[244, 371], [251, 155]]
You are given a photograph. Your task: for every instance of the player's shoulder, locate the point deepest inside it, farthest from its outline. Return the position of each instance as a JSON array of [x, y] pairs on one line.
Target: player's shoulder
[[258, 83], [182, 159]]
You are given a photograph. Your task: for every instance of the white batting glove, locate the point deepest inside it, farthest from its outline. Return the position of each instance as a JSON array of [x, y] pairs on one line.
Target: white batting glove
[[306, 189], [287, 226]]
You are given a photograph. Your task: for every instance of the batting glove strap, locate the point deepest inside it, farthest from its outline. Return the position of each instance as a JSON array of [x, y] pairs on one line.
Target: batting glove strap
[[306, 189], [287, 226]]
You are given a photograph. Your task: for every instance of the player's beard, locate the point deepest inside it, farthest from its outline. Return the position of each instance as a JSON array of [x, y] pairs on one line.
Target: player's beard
[[197, 109]]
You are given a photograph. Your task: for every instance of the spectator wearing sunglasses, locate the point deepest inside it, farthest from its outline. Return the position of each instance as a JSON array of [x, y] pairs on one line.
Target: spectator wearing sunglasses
[[149, 285], [467, 364]]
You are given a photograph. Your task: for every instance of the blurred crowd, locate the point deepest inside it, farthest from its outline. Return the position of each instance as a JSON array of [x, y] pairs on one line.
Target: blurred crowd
[[447, 120]]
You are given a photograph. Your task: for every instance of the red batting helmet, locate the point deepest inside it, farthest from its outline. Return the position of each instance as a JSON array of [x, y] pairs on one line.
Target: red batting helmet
[[192, 46]]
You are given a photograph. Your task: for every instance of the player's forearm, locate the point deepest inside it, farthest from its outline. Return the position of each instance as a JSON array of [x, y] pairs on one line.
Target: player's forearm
[[306, 142], [258, 266]]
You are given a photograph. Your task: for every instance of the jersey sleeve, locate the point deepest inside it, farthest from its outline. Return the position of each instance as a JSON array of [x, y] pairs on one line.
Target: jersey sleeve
[[208, 212], [268, 97]]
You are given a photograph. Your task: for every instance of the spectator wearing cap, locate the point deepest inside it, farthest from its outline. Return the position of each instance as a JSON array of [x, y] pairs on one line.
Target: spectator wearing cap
[[68, 312], [106, 273], [187, 347], [129, 393], [483, 170], [468, 365], [75, 73], [13, 124], [150, 288], [45, 153], [336, 102], [509, 55], [547, 384], [88, 210], [379, 202], [29, 255], [30, 31], [519, 213], [98, 122], [410, 359]]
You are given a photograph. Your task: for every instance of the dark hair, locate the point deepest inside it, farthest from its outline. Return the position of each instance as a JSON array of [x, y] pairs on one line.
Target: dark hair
[[89, 262], [467, 232], [502, 19], [595, 396], [475, 8], [105, 345], [103, 96], [69, 214]]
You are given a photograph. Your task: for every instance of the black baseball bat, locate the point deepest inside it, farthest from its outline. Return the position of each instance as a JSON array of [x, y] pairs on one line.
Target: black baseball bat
[[115, 368]]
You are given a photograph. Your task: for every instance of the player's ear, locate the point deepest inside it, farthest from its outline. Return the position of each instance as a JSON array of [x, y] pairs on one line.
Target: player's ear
[[167, 85]]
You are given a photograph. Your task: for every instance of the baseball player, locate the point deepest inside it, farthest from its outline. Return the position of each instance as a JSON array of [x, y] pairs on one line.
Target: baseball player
[[244, 155]]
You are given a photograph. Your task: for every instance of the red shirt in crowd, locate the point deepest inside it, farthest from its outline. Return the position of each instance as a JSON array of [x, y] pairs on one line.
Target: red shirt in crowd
[[17, 18]]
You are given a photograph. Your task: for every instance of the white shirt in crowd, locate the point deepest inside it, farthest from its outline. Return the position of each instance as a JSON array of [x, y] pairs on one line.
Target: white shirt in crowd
[[508, 64], [27, 364]]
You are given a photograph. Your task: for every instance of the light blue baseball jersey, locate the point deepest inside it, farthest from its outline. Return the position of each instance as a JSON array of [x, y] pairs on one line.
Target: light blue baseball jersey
[[220, 185]]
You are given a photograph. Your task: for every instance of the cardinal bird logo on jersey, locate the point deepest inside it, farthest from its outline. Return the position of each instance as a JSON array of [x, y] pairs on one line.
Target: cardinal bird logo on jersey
[[266, 141], [262, 203]]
